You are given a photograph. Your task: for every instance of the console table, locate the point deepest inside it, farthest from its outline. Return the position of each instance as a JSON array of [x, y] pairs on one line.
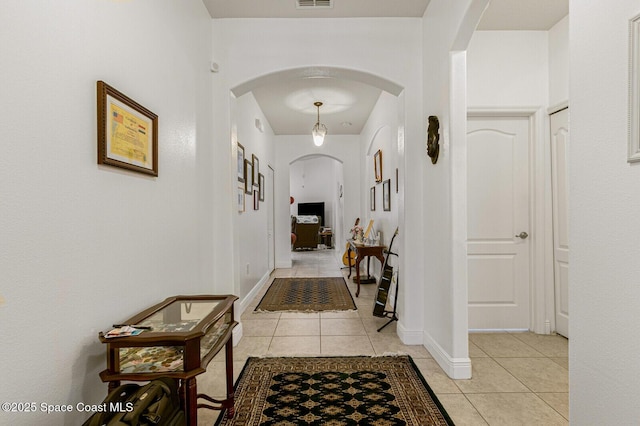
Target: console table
[[362, 251], [185, 333]]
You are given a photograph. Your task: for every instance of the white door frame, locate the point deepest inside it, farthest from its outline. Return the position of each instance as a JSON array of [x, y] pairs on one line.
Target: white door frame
[[550, 111], [271, 214], [542, 303]]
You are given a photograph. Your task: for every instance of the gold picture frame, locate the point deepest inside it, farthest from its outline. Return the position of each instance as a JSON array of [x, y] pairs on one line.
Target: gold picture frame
[[377, 165], [127, 132]]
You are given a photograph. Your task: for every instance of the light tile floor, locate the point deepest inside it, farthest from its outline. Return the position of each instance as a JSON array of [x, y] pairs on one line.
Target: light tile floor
[[518, 378]]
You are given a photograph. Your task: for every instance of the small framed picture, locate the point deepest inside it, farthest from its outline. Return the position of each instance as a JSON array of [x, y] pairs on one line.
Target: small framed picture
[[240, 200], [248, 173], [240, 161], [372, 198], [255, 163], [261, 187], [386, 195], [256, 199], [377, 165]]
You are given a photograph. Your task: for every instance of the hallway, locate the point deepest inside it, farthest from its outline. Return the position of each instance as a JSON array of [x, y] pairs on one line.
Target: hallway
[[519, 378]]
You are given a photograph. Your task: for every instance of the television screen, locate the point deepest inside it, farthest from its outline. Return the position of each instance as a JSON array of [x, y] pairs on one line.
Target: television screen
[[316, 209]]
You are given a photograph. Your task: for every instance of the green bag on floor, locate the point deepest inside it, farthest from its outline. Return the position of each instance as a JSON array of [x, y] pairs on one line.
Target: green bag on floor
[[155, 403]]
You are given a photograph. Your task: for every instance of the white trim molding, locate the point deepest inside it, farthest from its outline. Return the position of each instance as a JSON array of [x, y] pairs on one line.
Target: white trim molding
[[558, 107], [242, 306], [455, 368], [634, 90], [408, 337]]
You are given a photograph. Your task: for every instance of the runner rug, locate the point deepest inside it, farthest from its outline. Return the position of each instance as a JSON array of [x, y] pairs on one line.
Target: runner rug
[[307, 294], [334, 391]]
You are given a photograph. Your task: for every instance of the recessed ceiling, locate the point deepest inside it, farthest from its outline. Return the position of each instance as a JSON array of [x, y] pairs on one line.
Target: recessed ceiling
[[288, 105]]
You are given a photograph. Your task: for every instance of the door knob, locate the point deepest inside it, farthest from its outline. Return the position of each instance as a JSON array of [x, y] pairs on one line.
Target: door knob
[[522, 235]]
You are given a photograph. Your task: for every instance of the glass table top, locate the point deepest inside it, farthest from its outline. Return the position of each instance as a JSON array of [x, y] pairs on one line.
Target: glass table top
[[180, 315]]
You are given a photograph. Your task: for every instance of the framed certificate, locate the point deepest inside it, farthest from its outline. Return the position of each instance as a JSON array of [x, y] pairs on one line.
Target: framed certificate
[[127, 132]]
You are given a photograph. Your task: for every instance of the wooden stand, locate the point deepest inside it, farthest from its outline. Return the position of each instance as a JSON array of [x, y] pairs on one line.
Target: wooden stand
[[391, 314], [379, 307]]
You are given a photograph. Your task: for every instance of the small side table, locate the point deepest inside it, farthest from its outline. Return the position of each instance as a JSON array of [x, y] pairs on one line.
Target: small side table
[[186, 332], [325, 238], [362, 251]]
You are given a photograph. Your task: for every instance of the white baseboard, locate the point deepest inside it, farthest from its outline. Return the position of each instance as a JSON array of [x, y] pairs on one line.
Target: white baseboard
[[408, 337], [242, 306], [456, 368], [236, 334]]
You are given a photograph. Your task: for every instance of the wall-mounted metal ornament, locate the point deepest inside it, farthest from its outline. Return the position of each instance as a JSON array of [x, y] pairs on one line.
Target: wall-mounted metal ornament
[[433, 137]]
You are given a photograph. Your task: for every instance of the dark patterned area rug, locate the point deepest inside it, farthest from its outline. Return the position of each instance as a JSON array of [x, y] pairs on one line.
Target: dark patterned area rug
[[307, 294], [336, 391]]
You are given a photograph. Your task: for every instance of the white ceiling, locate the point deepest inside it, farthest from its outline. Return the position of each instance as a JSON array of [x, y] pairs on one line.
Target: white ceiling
[[288, 104], [532, 15], [341, 9]]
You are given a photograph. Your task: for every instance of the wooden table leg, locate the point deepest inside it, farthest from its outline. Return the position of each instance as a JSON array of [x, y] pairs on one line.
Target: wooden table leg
[[358, 259], [191, 401], [230, 389], [349, 259], [112, 385]]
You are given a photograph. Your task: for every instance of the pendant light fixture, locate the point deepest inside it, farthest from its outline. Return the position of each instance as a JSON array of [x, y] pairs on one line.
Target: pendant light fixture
[[319, 130]]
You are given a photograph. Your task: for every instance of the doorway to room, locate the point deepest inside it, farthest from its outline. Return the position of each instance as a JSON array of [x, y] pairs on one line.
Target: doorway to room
[[316, 182]]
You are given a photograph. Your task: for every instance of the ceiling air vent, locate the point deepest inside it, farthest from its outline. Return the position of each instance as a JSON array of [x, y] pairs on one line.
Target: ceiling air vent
[[314, 4]]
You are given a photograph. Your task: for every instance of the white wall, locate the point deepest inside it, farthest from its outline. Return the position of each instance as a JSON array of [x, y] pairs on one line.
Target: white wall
[[604, 209], [250, 226], [559, 62], [508, 69], [381, 133], [84, 246], [435, 194]]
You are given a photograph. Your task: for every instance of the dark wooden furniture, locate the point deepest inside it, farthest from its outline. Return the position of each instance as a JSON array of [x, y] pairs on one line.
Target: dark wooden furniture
[[306, 236], [362, 251], [326, 237], [185, 333]]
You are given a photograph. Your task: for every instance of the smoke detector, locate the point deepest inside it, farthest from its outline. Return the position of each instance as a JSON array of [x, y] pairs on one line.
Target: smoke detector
[[314, 4]]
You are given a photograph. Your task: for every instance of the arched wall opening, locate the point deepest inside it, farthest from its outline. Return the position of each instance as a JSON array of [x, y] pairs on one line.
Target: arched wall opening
[[389, 57], [352, 187]]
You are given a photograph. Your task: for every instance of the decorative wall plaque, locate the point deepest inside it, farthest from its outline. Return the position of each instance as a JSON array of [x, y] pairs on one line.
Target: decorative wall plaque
[[433, 137]]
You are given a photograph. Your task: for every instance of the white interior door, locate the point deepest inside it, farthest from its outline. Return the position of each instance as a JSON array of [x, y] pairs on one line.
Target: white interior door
[[559, 171], [498, 243]]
